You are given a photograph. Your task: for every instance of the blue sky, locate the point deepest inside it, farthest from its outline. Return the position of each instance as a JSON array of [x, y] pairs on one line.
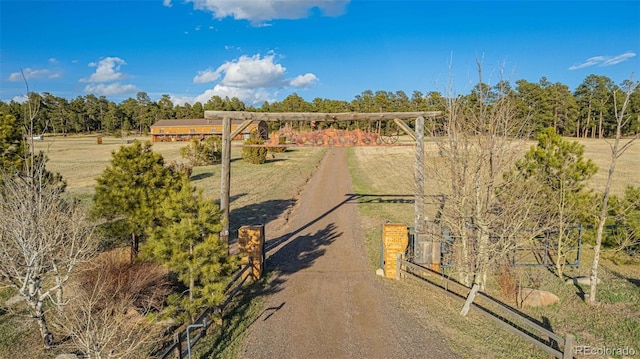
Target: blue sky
[[264, 50]]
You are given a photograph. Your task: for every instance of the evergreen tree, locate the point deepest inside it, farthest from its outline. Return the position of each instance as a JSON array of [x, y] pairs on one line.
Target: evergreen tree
[[187, 241], [559, 167], [624, 222], [594, 96], [130, 190], [12, 146]]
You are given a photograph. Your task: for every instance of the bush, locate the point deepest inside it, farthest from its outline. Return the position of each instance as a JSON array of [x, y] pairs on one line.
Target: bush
[[114, 280], [202, 153], [281, 141], [255, 155], [111, 307]]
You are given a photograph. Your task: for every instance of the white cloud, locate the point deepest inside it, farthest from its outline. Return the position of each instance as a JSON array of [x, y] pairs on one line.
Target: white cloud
[[115, 88], [105, 80], [257, 11], [252, 79], [252, 72], [20, 98], [107, 69], [205, 76], [604, 60], [30, 73], [53, 60], [248, 96], [305, 80], [618, 59], [166, 3]]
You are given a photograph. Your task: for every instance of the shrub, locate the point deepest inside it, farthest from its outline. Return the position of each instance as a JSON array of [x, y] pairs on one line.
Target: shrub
[[202, 153], [255, 155], [114, 280], [111, 310], [281, 141]]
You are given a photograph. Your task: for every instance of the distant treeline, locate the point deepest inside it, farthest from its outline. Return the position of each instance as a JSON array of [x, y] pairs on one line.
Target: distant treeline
[[586, 112]]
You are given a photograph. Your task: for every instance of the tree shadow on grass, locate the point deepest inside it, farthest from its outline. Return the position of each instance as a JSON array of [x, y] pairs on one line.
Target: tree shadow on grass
[[634, 281], [200, 176]]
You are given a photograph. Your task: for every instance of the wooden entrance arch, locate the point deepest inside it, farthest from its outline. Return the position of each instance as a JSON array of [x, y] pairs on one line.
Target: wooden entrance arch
[[397, 117]]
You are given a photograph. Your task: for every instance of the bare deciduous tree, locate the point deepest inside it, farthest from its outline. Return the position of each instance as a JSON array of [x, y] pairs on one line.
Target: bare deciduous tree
[[617, 149], [479, 141], [43, 237]]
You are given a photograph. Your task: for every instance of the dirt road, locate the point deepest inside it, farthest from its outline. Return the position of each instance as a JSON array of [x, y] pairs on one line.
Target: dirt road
[[326, 301]]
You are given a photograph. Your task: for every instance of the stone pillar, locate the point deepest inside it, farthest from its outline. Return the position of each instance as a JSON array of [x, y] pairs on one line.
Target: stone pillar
[[395, 238], [251, 245]]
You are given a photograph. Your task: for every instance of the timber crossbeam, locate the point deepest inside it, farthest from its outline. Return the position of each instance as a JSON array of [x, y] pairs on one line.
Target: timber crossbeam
[[319, 116]]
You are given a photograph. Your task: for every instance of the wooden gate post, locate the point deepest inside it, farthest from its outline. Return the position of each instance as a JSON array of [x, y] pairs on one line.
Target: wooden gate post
[[419, 218], [567, 351], [226, 179], [469, 301]]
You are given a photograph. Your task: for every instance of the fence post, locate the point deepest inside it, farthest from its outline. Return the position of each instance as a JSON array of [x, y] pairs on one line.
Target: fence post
[[567, 352], [251, 271], [179, 342], [398, 265], [470, 298]]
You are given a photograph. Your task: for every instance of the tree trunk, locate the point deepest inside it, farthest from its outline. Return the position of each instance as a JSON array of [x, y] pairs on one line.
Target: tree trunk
[[560, 247], [192, 282], [588, 122], [464, 273], [482, 232], [616, 152], [45, 333], [600, 125], [602, 218]]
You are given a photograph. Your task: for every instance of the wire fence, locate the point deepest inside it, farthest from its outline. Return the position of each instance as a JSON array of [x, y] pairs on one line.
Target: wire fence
[[198, 328]]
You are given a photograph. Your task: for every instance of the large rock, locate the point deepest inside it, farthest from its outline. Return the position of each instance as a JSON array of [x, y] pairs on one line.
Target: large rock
[[537, 298], [580, 280], [14, 300]]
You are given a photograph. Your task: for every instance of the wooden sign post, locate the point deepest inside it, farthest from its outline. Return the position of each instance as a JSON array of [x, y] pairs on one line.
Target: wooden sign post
[[251, 245], [395, 238]]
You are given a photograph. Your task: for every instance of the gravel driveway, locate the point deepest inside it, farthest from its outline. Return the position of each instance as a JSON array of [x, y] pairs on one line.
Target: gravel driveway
[[326, 300]]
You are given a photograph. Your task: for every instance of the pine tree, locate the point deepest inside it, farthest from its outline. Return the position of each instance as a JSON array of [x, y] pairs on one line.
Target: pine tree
[[559, 167], [187, 241], [12, 146], [130, 190]]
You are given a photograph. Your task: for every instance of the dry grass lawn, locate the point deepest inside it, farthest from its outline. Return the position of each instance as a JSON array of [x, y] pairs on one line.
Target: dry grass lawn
[[383, 178], [382, 174], [80, 160], [259, 193]]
